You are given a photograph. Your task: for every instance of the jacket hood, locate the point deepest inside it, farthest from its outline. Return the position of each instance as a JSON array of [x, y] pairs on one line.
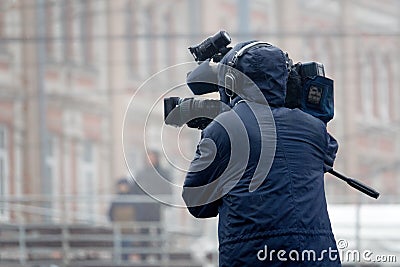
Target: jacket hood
[[265, 66]]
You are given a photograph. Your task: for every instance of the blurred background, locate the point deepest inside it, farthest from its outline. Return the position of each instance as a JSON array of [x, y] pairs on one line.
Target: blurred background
[[69, 69]]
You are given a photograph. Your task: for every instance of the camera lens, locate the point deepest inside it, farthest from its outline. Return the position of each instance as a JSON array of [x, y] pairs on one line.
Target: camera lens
[[210, 46], [221, 39]]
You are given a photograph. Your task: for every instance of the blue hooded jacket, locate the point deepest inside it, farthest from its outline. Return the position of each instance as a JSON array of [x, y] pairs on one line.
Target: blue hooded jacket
[[284, 221]]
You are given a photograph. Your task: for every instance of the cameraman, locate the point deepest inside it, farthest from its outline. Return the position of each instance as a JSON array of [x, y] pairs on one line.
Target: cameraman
[[288, 211]]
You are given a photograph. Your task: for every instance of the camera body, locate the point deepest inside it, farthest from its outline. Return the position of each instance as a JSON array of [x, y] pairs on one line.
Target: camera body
[[198, 113], [307, 88]]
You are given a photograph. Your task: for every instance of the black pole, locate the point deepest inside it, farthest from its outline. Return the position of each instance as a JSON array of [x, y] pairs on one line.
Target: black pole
[[356, 184]]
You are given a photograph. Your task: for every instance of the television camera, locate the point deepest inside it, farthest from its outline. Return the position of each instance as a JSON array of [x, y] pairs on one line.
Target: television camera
[[307, 89]]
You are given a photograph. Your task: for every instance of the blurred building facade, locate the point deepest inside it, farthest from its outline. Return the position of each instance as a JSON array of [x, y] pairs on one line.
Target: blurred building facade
[[357, 42], [69, 68], [56, 109]]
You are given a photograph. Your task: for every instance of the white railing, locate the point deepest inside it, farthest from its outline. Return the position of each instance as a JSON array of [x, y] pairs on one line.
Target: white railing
[[38, 235]]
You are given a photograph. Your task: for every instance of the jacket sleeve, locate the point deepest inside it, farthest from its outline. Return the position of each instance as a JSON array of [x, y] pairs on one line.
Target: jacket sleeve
[[200, 190], [330, 155]]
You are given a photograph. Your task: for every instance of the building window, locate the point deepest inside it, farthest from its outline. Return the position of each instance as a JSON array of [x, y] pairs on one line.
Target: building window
[[49, 22], [55, 30], [151, 43], [169, 41], [131, 44], [4, 179], [87, 183], [390, 65], [52, 176], [77, 31], [367, 89], [383, 94], [86, 33], [80, 31], [67, 25], [383, 88], [3, 36]]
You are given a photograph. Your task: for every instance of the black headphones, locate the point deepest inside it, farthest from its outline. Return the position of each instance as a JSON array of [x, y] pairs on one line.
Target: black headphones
[[231, 80]]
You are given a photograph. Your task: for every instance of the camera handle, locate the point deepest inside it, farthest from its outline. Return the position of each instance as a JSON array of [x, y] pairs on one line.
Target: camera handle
[[356, 184]]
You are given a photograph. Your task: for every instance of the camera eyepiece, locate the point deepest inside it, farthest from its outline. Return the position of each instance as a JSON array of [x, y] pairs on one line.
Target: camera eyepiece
[[211, 46]]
